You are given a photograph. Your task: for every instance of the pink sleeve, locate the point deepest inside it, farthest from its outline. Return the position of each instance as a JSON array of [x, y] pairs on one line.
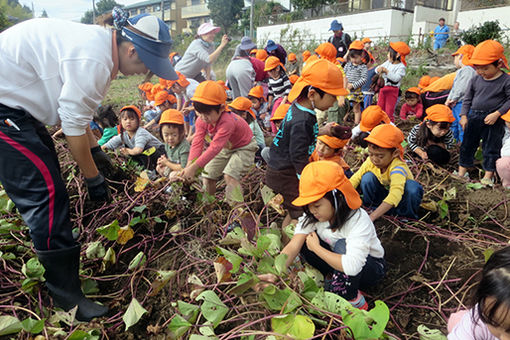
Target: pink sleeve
[[403, 111], [419, 110], [225, 127], [197, 146], [469, 329]]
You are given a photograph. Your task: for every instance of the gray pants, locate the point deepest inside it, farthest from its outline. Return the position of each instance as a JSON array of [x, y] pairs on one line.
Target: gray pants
[[240, 77]]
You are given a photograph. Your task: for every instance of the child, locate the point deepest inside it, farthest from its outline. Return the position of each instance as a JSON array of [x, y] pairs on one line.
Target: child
[[292, 64], [412, 107], [171, 131], [279, 84], [107, 119], [356, 72], [331, 148], [261, 55], [424, 82], [253, 53], [184, 89], [163, 101], [432, 139], [305, 55], [370, 118], [232, 149], [318, 86], [242, 107], [259, 105], [392, 70], [487, 98], [489, 319], [385, 168], [335, 235], [277, 119], [134, 140], [503, 164], [293, 78], [367, 43], [460, 85], [437, 91]]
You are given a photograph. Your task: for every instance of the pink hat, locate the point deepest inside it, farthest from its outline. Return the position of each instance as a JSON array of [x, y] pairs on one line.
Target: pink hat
[[207, 27]]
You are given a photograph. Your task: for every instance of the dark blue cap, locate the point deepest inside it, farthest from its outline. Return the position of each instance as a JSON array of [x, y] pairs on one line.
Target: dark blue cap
[[271, 46], [336, 26]]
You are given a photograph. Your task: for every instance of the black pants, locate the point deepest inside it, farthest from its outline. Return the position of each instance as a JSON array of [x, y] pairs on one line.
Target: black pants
[[30, 174], [432, 98], [150, 161]]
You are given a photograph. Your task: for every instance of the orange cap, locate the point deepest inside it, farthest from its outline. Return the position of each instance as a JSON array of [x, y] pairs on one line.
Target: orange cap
[[171, 116], [210, 92], [261, 55], [424, 81], [506, 116], [323, 75], [306, 54], [134, 108], [372, 116], [464, 50], [293, 78], [242, 104], [414, 90], [280, 112], [223, 84], [163, 96], [401, 48], [257, 92], [327, 51], [487, 52], [387, 136], [356, 45], [321, 177], [254, 51], [333, 142], [146, 87], [172, 55], [292, 57], [312, 58], [150, 96], [366, 40], [181, 80], [433, 79], [156, 88], [272, 62], [439, 113], [162, 82]]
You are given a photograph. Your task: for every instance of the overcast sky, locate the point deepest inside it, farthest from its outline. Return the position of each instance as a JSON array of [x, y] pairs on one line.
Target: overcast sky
[[74, 9]]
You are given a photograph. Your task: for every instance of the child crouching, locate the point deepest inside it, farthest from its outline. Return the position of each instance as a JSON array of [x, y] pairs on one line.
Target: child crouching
[[171, 131], [331, 148]]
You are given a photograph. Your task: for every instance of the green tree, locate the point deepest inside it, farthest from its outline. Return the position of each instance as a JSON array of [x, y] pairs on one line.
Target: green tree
[[264, 12], [4, 23], [314, 5], [225, 13], [44, 14], [102, 7]]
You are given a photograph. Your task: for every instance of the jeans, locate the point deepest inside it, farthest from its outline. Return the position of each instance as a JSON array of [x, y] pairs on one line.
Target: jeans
[[151, 114], [374, 193], [457, 130], [439, 43], [340, 283]]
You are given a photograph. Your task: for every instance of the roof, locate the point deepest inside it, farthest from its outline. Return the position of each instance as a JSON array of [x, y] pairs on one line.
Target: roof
[[143, 3]]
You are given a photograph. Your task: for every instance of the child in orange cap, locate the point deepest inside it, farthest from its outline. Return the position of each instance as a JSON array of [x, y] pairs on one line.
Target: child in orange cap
[[292, 64], [432, 139], [331, 148], [232, 150], [242, 107], [367, 43], [412, 107], [279, 85], [356, 72], [305, 55], [335, 235], [385, 168], [184, 89], [461, 82], [163, 101], [317, 88], [261, 55], [293, 78], [133, 140], [437, 91], [277, 119], [171, 131], [253, 53], [486, 100], [392, 71], [370, 118], [503, 164], [259, 105]]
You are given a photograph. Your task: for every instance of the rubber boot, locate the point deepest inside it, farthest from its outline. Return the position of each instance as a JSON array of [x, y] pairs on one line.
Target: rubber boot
[[62, 266]]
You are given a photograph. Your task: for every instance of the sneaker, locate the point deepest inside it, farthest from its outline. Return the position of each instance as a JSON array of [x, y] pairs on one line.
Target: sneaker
[[487, 182], [456, 175]]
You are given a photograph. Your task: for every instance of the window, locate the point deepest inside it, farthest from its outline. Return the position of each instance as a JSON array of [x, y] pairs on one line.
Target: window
[[167, 6], [156, 8], [142, 10], [195, 2], [133, 12]]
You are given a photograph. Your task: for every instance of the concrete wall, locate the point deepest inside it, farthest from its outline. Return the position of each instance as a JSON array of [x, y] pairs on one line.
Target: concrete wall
[[479, 16]]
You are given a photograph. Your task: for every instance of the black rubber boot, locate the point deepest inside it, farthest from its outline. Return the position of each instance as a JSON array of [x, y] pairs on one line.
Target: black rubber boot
[[62, 267]]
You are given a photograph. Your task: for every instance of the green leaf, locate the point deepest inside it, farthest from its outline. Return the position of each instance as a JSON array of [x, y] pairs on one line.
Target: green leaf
[[110, 256], [277, 298], [247, 248], [33, 269], [267, 194], [110, 231], [279, 263], [295, 326], [9, 325], [33, 326], [245, 282], [275, 245], [78, 335], [292, 302], [236, 195], [157, 219], [231, 257], [138, 220], [380, 315], [289, 230], [474, 186], [487, 254], [188, 310], [140, 208], [95, 250], [212, 308], [137, 261], [443, 208], [89, 286], [8, 256], [202, 337], [178, 326], [331, 302], [207, 329], [266, 265], [133, 313]]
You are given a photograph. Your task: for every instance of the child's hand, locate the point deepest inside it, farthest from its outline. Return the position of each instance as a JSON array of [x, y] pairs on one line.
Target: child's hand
[[463, 122], [492, 118], [162, 161], [103, 147], [422, 154], [341, 101], [450, 103], [188, 173], [349, 86], [312, 241], [124, 151]]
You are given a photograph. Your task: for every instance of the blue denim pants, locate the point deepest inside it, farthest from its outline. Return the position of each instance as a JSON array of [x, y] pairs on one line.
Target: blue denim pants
[[457, 130]]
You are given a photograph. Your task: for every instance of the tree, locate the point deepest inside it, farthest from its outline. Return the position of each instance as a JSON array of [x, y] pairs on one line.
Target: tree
[[314, 5], [44, 14], [102, 7], [225, 13], [264, 12], [4, 23], [12, 12]]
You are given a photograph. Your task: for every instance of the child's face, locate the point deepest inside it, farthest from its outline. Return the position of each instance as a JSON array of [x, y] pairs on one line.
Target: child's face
[[211, 117], [412, 101], [275, 73], [178, 89], [323, 103], [487, 71], [457, 60], [323, 150], [292, 61], [171, 135], [129, 123], [381, 157], [438, 129], [356, 60], [322, 210], [367, 45], [255, 103], [277, 123], [501, 318]]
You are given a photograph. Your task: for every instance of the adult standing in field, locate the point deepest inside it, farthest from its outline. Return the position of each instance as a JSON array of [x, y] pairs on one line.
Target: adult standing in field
[[200, 54], [457, 33], [441, 34], [42, 83], [240, 72], [277, 50], [341, 40]]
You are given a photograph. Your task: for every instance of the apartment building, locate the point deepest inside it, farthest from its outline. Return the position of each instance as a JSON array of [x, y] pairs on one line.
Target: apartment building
[[195, 13]]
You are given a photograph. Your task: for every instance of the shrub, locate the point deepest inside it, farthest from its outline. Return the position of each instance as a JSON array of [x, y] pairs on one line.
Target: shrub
[[485, 31]]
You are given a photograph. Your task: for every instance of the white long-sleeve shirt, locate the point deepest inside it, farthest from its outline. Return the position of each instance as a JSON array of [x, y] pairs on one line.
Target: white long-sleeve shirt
[[395, 73], [58, 71]]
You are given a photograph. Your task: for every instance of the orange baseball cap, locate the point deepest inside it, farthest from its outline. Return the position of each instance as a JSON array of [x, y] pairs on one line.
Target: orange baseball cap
[[506, 116], [272, 62], [387, 136], [292, 57], [414, 90], [257, 92], [242, 104], [487, 52], [223, 84], [171, 116], [181, 80], [210, 92], [327, 51], [433, 79], [439, 113], [401, 48], [356, 45], [172, 55], [372, 116], [280, 112], [156, 88], [466, 50], [333, 142], [162, 82], [424, 81], [321, 177], [311, 59], [163, 96], [254, 51], [134, 108], [366, 40], [293, 78], [321, 74], [146, 87], [261, 55], [306, 54]]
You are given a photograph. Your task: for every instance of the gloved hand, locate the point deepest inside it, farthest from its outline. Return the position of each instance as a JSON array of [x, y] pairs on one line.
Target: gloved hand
[[103, 162], [98, 189]]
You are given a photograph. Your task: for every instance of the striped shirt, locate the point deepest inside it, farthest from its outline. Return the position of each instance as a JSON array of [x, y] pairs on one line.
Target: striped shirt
[[357, 75], [412, 139], [279, 87]]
